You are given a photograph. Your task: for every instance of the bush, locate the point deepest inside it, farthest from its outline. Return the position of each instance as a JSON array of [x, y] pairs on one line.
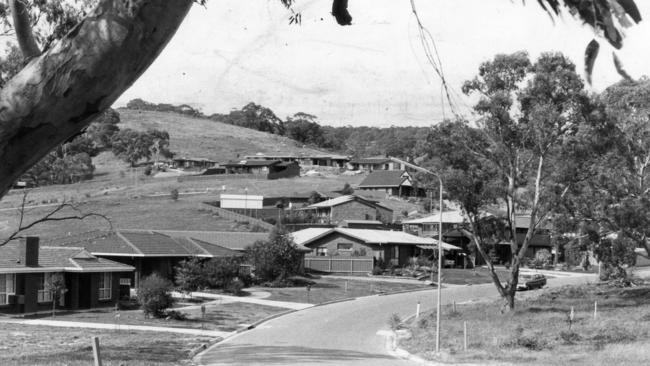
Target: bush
[[235, 286], [570, 337], [395, 322], [173, 194], [175, 315], [147, 170], [377, 270], [613, 335], [154, 295], [277, 258], [220, 272]]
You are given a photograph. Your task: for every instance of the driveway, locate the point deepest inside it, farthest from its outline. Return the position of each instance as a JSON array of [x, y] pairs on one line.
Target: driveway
[[343, 333]]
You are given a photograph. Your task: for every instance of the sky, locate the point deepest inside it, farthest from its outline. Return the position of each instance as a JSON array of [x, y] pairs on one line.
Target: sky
[[373, 72]]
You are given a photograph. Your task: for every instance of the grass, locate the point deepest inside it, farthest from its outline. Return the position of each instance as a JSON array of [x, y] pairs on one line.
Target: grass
[[539, 332], [36, 346], [458, 276], [332, 289], [224, 317]]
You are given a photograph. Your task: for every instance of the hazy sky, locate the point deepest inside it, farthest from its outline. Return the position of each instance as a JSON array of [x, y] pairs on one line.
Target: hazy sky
[[371, 73]]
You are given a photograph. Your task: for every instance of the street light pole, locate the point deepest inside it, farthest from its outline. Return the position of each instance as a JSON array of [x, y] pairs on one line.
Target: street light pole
[[439, 292]]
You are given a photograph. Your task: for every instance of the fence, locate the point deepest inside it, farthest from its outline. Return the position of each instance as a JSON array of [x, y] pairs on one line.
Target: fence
[[218, 177], [339, 264], [235, 216]]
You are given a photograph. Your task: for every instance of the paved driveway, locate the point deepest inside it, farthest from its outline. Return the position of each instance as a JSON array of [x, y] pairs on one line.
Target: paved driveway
[[343, 333]]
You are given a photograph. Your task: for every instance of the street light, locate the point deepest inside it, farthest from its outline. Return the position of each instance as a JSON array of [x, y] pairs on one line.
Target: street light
[[439, 292]]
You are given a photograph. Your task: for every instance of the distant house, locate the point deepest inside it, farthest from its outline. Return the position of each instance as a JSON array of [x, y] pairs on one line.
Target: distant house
[[307, 160], [396, 247], [375, 163], [27, 269], [193, 163], [272, 169], [392, 182], [147, 251], [428, 225], [350, 207], [541, 239]]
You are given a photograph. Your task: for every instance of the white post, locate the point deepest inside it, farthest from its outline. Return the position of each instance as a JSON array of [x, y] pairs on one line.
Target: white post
[[417, 310], [346, 286], [595, 309], [439, 269], [96, 355]]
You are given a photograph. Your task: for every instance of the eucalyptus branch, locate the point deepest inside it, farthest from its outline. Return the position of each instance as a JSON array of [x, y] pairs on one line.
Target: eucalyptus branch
[[23, 29]]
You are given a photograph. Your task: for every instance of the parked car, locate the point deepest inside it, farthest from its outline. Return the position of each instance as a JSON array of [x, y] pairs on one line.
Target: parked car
[[531, 282]]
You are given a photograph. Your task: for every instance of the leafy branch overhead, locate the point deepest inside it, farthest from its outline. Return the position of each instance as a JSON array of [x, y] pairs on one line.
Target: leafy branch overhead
[[607, 17]]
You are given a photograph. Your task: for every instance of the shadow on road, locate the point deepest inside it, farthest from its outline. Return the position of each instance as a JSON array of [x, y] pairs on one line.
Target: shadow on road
[[281, 355]]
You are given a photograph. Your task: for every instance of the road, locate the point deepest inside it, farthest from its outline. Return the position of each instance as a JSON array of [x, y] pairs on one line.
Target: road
[[343, 333]]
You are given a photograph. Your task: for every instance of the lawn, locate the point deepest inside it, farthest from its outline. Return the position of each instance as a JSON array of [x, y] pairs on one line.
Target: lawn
[[225, 317], [332, 289], [539, 332], [36, 346], [458, 276]]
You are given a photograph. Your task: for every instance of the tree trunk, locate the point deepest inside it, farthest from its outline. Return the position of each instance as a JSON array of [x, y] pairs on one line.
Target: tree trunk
[[60, 92]]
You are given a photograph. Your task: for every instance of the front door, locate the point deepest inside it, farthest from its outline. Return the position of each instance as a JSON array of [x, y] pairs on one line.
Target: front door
[[84, 290]]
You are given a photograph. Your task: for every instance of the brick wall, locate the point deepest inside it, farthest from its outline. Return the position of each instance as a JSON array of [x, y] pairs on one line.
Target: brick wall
[[331, 243]]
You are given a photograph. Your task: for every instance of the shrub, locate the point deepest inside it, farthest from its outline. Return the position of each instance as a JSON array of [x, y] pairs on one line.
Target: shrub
[[235, 286], [175, 315], [147, 170], [276, 258], [173, 194], [220, 272], [154, 295], [190, 275], [377, 270], [613, 335], [395, 322], [570, 337]]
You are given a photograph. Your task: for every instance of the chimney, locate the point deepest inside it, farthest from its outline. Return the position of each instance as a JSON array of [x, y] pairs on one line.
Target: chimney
[[29, 251]]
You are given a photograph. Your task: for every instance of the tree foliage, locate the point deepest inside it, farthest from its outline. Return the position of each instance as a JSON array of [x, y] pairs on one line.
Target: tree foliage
[[133, 146], [154, 295], [275, 259]]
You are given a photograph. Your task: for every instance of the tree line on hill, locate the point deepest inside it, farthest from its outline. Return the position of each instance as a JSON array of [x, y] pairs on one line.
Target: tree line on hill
[[362, 141]]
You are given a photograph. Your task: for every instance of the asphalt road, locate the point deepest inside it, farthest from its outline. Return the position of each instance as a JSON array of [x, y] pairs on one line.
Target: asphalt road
[[342, 333]]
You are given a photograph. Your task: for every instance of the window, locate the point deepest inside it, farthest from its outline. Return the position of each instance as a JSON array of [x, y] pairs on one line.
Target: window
[[105, 286], [7, 287], [44, 293], [321, 252], [345, 247]]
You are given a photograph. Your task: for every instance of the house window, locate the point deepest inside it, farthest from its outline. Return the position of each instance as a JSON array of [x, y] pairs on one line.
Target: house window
[[105, 286], [344, 247], [44, 293], [321, 251], [7, 287], [394, 255]]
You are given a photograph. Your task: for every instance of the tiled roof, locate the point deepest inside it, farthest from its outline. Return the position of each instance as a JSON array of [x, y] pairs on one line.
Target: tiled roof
[[370, 160], [59, 259], [216, 250], [344, 199], [231, 240], [152, 243], [251, 163], [449, 217], [383, 178], [368, 236]]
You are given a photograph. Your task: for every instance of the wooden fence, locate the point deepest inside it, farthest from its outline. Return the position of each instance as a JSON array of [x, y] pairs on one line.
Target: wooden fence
[[339, 264]]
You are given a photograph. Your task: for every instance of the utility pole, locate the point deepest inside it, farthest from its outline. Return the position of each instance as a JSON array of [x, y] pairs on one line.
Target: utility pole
[[439, 292]]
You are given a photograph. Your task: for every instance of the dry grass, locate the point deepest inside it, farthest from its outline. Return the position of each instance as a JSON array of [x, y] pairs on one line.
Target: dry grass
[[198, 137], [538, 332], [224, 317], [36, 345]]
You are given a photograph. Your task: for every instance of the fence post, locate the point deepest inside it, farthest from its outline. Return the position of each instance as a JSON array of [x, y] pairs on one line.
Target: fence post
[[351, 265], [595, 309], [330, 260], [417, 310], [465, 335], [96, 354]]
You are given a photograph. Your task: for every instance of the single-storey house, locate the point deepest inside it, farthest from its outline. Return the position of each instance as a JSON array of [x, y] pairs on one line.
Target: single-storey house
[[428, 225], [27, 271], [146, 251], [375, 163], [193, 163], [392, 182], [349, 207], [396, 247], [308, 160], [272, 169], [541, 239]]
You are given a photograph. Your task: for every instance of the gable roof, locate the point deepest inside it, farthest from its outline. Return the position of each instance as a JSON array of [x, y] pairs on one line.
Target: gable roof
[[449, 217], [252, 163], [57, 259], [368, 236], [384, 178], [144, 243], [345, 199], [376, 160]]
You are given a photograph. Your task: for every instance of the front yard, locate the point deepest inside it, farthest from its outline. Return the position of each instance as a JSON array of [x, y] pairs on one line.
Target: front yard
[[540, 331], [39, 346]]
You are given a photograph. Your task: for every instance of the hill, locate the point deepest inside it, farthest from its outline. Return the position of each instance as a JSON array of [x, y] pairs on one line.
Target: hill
[[204, 138]]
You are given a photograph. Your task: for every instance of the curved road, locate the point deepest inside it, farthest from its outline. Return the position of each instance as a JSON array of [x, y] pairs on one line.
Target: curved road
[[343, 333]]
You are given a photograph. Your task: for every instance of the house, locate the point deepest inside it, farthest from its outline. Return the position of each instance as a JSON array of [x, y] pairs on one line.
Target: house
[[541, 239], [192, 163], [147, 251], [375, 163], [396, 247], [272, 169], [428, 225], [349, 207], [307, 160], [27, 270], [392, 182]]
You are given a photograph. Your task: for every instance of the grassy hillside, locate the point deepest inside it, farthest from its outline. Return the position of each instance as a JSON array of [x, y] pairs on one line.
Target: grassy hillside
[[197, 137]]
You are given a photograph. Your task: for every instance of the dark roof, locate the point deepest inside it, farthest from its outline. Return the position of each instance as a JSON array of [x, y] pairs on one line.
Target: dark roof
[[144, 243], [231, 240], [383, 178], [57, 259], [251, 163], [370, 161]]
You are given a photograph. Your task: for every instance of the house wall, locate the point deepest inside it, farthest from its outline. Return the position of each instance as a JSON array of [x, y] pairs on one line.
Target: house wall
[[331, 243], [355, 210]]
